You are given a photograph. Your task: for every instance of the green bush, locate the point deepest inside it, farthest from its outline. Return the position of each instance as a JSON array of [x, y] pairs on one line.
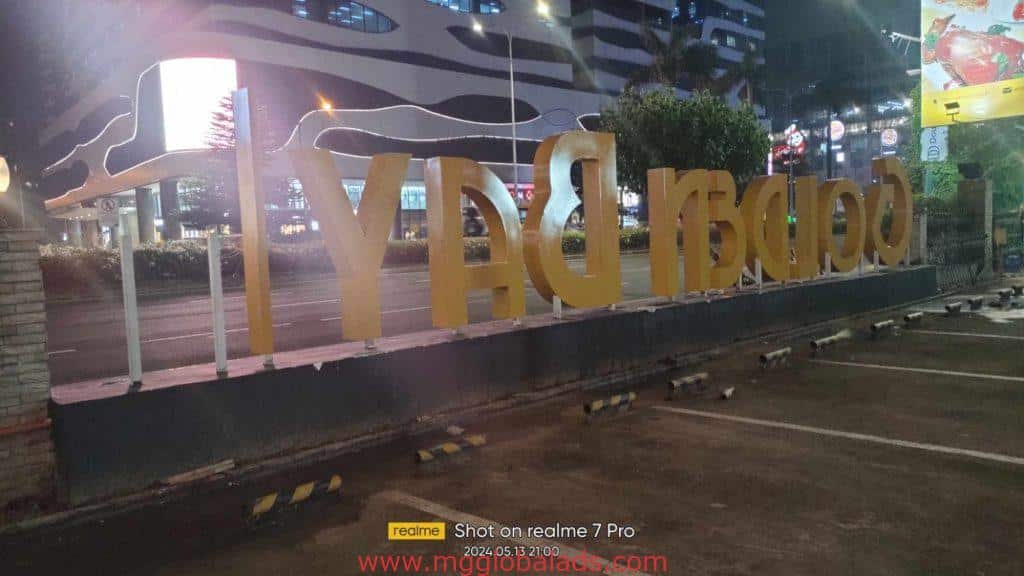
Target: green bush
[[67, 269]]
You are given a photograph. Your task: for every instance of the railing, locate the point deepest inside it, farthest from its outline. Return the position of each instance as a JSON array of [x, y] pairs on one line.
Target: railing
[[957, 245]]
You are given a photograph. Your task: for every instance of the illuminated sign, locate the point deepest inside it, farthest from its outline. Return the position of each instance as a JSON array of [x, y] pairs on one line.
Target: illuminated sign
[[890, 137], [972, 60], [5, 175], [751, 231], [191, 91], [838, 130]]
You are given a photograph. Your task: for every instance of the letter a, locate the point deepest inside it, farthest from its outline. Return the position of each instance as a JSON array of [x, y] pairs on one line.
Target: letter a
[[447, 179]]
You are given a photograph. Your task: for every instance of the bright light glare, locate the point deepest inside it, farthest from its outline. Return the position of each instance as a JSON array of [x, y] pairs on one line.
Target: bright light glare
[[543, 9], [477, 27], [326, 105], [192, 90], [5, 175]]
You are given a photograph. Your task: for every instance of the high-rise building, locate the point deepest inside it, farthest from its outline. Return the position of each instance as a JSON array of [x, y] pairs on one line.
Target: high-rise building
[[811, 43], [426, 77]]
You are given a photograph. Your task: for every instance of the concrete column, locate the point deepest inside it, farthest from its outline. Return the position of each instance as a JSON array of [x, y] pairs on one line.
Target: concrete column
[[75, 232], [26, 449], [145, 210], [171, 210], [90, 234]]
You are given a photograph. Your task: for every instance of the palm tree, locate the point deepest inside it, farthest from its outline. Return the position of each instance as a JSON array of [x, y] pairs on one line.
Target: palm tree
[[683, 56], [832, 95], [750, 72]]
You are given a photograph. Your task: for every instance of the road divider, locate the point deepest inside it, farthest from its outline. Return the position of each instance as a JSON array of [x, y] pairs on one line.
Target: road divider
[[450, 448], [975, 302], [303, 492], [953, 308]]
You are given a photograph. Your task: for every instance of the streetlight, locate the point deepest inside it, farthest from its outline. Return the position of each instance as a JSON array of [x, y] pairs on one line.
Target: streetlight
[[544, 10], [479, 29]]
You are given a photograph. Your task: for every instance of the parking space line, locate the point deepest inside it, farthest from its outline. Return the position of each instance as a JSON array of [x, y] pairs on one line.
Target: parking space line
[[922, 370], [990, 456], [967, 334], [451, 515], [57, 352]]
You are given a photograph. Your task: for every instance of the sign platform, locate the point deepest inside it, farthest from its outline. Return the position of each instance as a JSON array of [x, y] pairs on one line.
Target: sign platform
[[110, 441]]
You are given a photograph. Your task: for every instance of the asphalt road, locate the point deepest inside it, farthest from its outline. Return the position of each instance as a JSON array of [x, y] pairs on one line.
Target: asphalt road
[[86, 339]]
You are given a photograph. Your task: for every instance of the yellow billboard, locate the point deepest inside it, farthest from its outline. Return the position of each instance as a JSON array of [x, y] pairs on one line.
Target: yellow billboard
[[972, 60]]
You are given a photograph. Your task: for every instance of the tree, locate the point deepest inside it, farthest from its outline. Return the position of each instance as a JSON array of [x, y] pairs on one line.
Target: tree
[[832, 95], [683, 57], [750, 72], [657, 130]]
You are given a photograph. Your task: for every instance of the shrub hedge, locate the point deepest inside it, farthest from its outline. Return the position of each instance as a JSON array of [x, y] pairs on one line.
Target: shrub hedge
[[68, 269]]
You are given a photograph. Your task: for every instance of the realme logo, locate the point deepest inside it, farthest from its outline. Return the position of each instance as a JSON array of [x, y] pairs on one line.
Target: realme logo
[[415, 530]]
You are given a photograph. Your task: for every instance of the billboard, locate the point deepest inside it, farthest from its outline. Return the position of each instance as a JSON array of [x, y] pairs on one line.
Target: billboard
[[192, 90], [972, 60]]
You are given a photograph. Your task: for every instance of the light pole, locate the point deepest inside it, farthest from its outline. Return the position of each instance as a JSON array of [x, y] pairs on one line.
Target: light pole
[[544, 11], [479, 29]]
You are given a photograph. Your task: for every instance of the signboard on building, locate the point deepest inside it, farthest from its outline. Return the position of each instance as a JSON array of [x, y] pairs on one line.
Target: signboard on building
[[972, 60], [5, 175]]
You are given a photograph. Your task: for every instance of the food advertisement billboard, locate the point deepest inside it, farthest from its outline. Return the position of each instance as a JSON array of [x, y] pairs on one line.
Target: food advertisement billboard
[[972, 60]]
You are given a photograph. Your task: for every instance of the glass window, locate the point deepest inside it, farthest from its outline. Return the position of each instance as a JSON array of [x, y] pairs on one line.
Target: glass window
[[471, 6], [300, 8], [356, 16]]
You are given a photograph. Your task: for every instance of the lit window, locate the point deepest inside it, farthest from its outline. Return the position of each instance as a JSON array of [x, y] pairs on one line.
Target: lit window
[[730, 41], [471, 6], [356, 16], [300, 8]]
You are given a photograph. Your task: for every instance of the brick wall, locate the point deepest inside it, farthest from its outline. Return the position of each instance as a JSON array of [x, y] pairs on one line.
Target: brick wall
[[26, 448]]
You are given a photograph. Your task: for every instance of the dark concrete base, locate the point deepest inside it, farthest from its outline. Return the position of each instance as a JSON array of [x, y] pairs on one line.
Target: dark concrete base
[[110, 441]]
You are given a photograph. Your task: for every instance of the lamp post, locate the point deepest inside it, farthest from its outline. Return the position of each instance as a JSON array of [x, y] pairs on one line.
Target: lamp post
[[544, 11]]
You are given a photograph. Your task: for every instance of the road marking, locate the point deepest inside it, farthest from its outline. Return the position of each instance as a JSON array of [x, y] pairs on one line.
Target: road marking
[[922, 370], [451, 515], [992, 456], [208, 334], [56, 352], [966, 334], [294, 304]]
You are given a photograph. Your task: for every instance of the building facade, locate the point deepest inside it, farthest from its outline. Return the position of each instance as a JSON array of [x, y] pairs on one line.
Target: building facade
[[425, 77], [811, 43]]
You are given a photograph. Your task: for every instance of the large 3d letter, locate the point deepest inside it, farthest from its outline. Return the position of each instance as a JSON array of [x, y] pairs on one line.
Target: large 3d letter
[[670, 193], [553, 202], [806, 265], [356, 244], [894, 188], [447, 179], [853, 207], [765, 207], [723, 212]]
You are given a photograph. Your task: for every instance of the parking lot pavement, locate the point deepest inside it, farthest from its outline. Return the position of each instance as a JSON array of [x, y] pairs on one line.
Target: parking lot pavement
[[810, 468]]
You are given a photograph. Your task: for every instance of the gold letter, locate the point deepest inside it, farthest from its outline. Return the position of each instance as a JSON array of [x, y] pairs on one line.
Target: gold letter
[[722, 209], [853, 206], [356, 244], [671, 193], [895, 188], [447, 179], [806, 265], [765, 207], [553, 202]]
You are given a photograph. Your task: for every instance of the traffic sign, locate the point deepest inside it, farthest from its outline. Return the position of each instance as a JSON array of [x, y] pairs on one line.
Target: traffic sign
[[106, 208]]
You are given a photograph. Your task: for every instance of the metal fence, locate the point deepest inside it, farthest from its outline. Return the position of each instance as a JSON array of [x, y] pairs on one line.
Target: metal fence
[[958, 246]]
